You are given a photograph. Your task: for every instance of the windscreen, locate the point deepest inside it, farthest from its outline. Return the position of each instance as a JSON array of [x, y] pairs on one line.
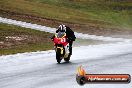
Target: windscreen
[[60, 34]]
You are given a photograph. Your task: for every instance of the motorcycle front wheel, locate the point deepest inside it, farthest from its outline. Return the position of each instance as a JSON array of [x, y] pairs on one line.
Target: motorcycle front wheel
[[58, 58]]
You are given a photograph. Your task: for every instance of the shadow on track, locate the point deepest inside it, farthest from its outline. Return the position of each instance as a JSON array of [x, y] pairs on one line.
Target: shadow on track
[[65, 63]]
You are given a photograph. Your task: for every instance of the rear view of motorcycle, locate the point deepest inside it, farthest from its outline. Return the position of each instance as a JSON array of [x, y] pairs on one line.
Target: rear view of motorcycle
[[61, 47]]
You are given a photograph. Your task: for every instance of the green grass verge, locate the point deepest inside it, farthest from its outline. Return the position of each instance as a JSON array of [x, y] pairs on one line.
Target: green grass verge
[[31, 40], [109, 13]]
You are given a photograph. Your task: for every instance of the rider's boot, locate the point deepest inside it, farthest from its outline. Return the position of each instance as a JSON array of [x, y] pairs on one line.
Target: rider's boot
[[70, 49]]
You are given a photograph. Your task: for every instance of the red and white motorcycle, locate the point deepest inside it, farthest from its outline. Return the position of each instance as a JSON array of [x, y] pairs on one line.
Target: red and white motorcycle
[[61, 47]]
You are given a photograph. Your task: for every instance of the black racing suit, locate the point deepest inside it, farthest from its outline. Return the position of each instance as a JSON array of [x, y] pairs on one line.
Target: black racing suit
[[70, 37]]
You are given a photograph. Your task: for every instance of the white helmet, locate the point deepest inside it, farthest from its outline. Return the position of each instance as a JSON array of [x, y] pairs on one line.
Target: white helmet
[[62, 28]]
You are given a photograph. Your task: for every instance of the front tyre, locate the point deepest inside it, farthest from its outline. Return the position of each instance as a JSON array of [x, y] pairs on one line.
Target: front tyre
[[58, 58]]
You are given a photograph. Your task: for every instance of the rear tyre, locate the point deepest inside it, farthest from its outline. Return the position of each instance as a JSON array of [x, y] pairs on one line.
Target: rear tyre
[[68, 58]]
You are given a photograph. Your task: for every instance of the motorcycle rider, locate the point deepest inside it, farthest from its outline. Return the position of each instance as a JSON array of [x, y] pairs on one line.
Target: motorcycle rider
[[69, 33]]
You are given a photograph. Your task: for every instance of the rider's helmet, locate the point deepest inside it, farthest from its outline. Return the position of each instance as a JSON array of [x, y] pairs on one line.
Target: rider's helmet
[[62, 28]]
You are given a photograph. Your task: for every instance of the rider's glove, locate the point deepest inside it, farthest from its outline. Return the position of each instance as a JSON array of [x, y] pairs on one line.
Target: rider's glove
[[52, 39]]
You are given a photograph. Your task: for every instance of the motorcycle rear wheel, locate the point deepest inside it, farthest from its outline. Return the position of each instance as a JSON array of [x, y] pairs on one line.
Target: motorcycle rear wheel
[[68, 58]]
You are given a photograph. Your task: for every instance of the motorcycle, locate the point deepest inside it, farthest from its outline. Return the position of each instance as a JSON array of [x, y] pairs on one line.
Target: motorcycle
[[61, 47]]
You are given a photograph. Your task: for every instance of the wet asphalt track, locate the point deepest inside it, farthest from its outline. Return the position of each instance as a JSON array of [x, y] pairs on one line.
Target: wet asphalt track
[[53, 75], [46, 73]]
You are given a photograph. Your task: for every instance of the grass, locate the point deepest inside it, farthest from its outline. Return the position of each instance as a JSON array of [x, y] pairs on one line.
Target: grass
[[31, 40], [102, 13], [109, 13]]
